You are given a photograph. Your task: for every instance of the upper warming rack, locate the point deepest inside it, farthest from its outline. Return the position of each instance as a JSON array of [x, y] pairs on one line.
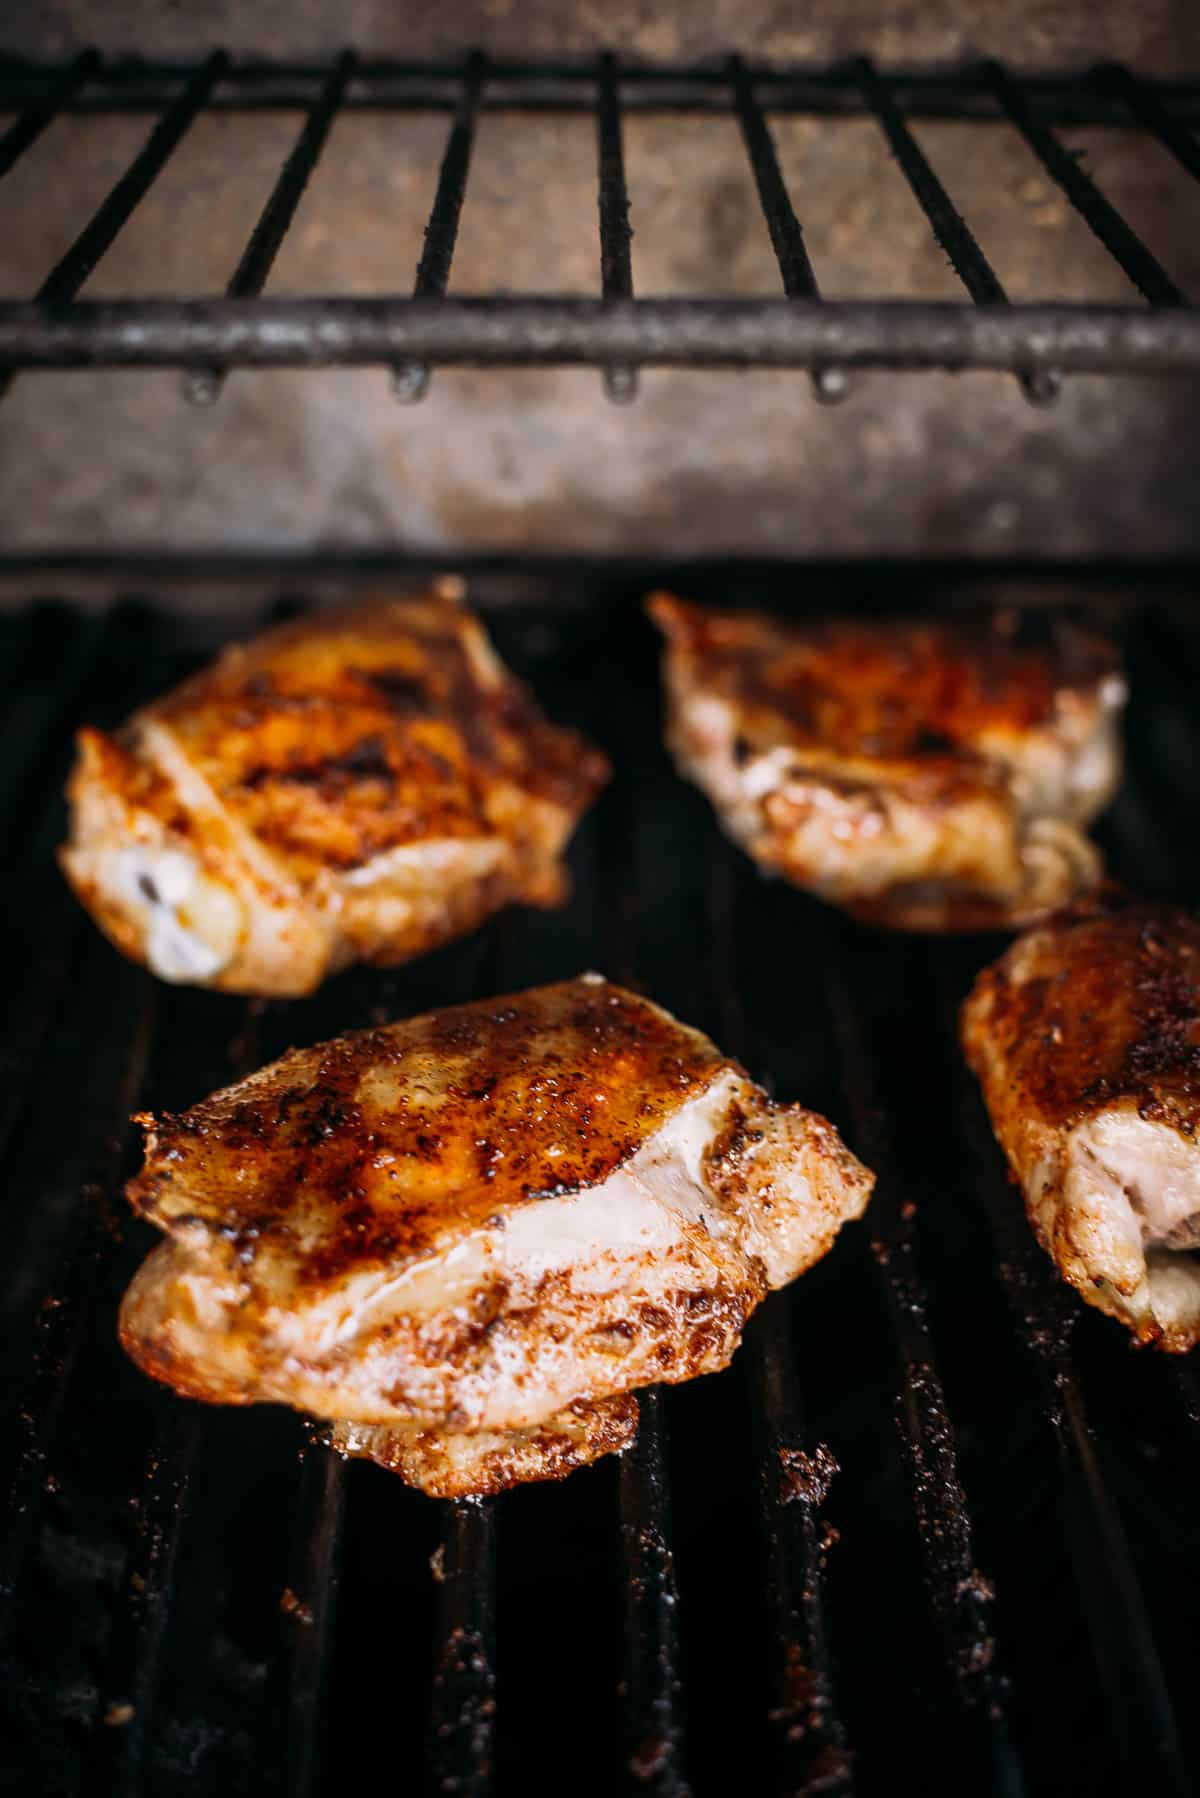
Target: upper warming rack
[[1156, 331]]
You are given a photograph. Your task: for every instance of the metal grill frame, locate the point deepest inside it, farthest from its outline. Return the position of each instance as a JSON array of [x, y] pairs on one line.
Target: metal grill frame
[[616, 332]]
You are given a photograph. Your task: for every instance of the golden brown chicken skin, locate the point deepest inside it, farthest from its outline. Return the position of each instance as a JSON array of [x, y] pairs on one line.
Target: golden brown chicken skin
[[474, 1220], [477, 1463], [922, 775], [362, 785], [1086, 1038]]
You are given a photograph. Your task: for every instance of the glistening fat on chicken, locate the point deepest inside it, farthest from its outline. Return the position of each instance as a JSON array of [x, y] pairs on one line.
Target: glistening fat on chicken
[[358, 785], [1085, 1036], [922, 775], [466, 1238]]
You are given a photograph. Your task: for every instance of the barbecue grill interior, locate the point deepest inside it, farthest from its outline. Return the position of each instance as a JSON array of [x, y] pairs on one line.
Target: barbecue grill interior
[[935, 1529], [888, 1525]]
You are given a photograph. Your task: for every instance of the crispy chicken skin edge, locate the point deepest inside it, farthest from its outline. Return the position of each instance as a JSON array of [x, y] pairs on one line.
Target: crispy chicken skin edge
[[1128, 1301]]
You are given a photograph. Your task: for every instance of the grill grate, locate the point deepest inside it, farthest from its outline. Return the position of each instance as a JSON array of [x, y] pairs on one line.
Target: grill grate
[[206, 1602], [209, 336]]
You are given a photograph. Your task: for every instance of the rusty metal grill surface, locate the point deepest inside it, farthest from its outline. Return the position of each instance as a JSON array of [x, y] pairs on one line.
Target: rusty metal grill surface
[[1156, 331], [934, 1530]]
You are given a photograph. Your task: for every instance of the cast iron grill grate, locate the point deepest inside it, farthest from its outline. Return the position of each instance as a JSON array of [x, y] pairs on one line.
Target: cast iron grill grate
[[1158, 332], [934, 1527]]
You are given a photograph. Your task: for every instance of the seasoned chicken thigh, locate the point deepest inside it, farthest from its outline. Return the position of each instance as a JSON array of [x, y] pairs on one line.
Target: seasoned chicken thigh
[[1086, 1038], [924, 776], [475, 1221], [356, 786]]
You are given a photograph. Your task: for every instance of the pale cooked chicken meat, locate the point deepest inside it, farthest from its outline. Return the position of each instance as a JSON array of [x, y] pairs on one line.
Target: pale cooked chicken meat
[[1086, 1038], [475, 1220], [924, 776], [356, 786]]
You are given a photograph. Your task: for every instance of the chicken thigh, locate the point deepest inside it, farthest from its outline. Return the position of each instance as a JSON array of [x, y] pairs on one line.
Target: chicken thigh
[[354, 786], [475, 1222], [1086, 1038], [924, 776]]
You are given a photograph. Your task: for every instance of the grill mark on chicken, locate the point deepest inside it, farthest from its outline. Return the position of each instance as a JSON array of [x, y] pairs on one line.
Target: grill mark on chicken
[[922, 775], [1086, 1038], [470, 1220], [297, 808]]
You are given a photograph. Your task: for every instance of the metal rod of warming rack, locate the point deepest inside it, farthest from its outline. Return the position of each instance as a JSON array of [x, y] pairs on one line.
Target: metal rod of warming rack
[[1040, 384], [411, 379], [830, 383], [26, 130], [567, 85], [1105, 222], [539, 331], [202, 385], [1147, 108], [72, 270], [616, 233]]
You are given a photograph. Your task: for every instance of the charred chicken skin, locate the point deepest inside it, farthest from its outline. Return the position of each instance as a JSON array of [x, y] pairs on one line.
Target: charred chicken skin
[[924, 776], [358, 786], [464, 1238], [1085, 1036]]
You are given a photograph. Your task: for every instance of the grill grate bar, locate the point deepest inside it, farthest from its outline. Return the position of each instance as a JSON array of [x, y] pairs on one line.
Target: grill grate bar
[[1040, 385], [616, 233], [203, 385], [786, 231], [1189, 1390], [63, 1321], [961, 1597], [1119, 239], [810, 1742], [652, 1684], [1147, 108], [464, 1682], [309, 1609], [135, 1661], [29, 810], [651, 1687], [411, 379], [39, 113]]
